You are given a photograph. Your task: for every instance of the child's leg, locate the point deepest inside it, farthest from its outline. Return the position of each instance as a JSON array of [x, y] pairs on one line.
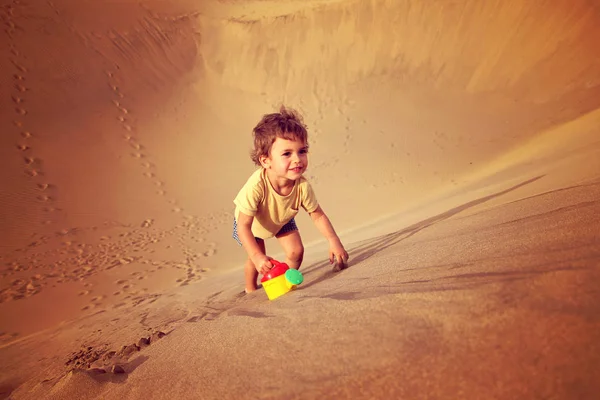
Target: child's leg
[[250, 271], [293, 247]]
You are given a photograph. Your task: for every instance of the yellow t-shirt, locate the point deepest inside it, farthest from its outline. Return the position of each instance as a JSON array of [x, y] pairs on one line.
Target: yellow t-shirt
[[270, 210]]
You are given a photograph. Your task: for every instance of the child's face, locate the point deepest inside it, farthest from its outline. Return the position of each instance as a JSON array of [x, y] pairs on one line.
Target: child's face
[[288, 158]]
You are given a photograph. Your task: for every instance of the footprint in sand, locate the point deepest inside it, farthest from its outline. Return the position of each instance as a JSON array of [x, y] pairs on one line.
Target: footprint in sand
[[209, 253], [131, 138], [212, 250], [19, 66], [20, 88], [18, 100]]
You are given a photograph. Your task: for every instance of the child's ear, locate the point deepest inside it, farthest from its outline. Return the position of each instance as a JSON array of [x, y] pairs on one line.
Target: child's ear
[[264, 161]]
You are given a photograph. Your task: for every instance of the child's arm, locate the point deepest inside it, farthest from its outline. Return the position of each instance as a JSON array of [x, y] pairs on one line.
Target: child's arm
[[259, 259], [336, 249]]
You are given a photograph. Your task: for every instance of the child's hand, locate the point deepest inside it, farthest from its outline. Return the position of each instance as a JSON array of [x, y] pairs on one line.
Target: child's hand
[[262, 263], [338, 254]]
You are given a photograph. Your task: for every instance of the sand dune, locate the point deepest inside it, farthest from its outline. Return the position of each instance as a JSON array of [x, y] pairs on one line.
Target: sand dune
[[454, 145]]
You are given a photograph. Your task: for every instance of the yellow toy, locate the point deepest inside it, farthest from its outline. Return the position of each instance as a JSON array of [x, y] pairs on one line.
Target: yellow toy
[[280, 279]]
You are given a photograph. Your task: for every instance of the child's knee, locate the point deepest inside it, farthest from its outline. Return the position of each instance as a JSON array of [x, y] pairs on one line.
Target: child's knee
[[296, 254]]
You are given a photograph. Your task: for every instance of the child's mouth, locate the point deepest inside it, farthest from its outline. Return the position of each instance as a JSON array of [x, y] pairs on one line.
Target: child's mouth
[[297, 170]]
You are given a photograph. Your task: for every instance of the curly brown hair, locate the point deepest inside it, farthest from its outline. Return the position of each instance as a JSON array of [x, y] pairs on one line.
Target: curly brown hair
[[286, 124]]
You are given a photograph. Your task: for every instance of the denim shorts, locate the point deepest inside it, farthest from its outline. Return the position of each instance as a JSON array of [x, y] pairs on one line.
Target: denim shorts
[[289, 227]]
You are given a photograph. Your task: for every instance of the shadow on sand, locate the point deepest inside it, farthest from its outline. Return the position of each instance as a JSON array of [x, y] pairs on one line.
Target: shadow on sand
[[375, 245]]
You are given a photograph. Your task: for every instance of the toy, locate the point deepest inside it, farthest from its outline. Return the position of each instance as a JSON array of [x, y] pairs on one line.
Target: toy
[[280, 279]]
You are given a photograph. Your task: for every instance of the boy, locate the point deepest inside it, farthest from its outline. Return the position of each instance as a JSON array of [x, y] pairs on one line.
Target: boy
[[268, 202]]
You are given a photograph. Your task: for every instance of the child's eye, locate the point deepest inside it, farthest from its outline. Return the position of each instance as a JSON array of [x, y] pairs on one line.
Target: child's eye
[[287, 154], [303, 151]]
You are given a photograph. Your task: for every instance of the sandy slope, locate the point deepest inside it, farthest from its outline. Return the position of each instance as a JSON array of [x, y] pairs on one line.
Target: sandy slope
[[454, 145]]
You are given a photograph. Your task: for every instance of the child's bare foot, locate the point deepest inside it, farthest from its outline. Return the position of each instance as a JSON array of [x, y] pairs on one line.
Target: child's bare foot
[[253, 289]]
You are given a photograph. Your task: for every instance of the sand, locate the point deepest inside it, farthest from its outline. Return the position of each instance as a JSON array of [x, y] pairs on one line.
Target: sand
[[454, 145]]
